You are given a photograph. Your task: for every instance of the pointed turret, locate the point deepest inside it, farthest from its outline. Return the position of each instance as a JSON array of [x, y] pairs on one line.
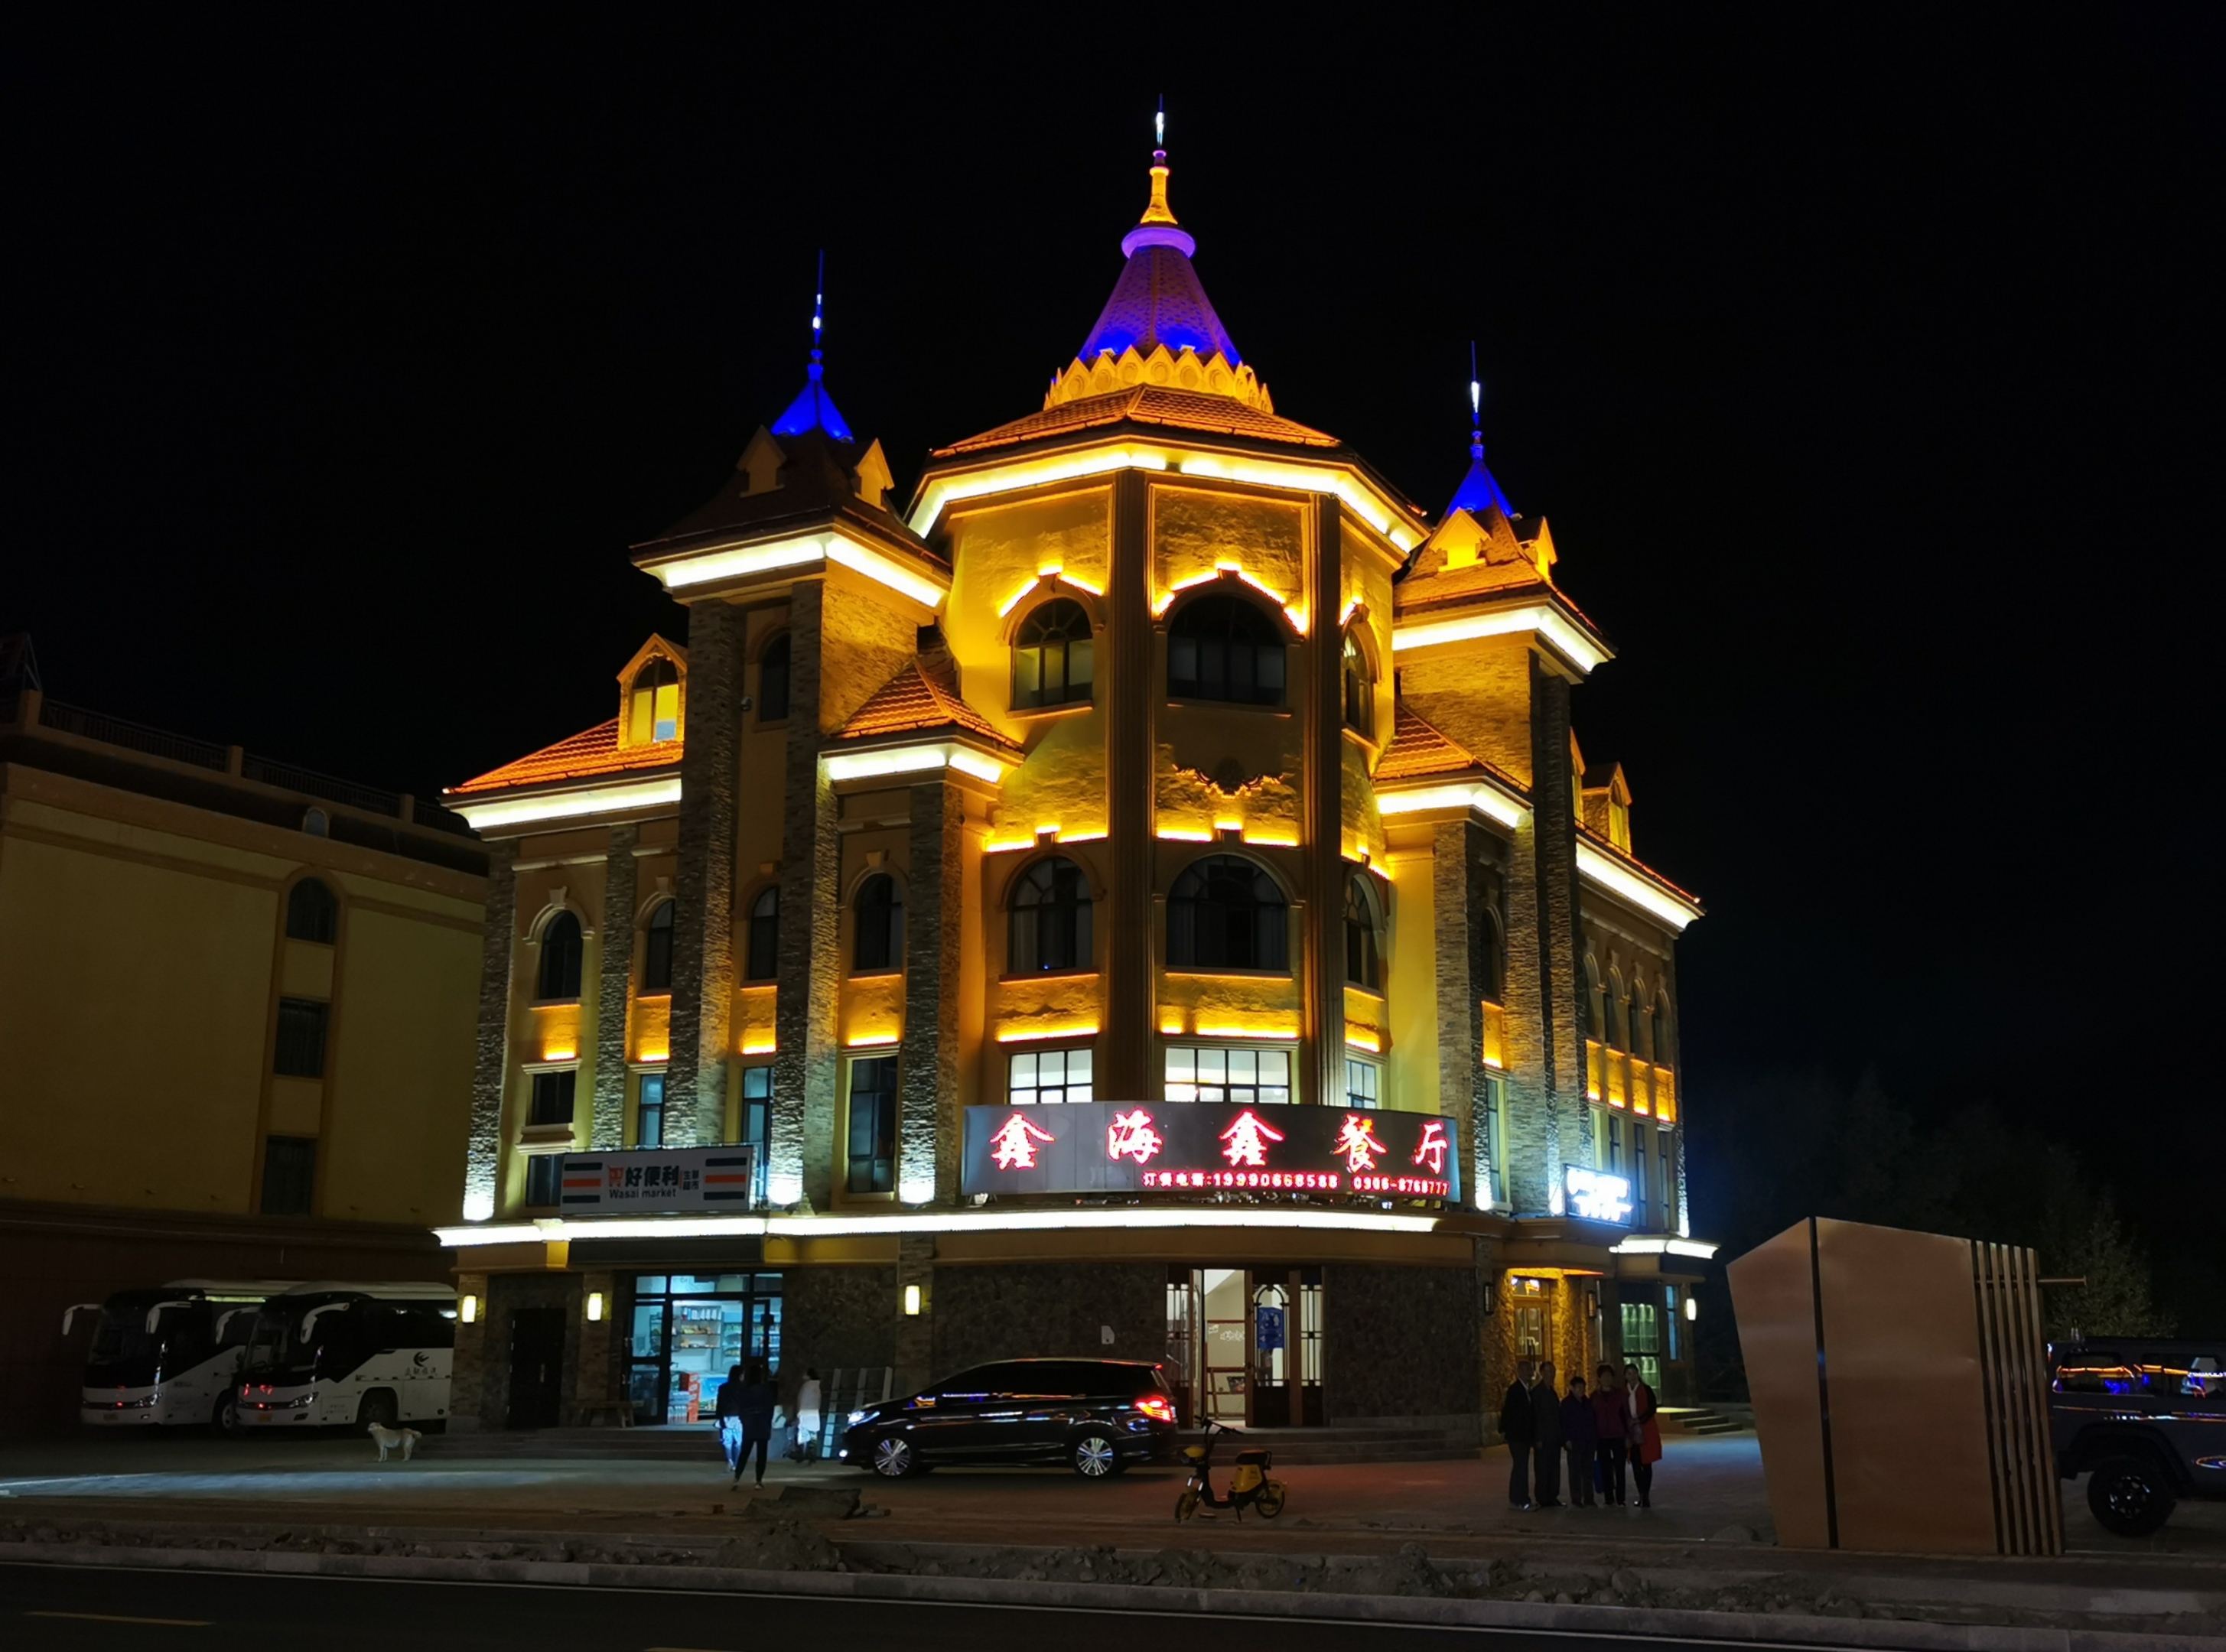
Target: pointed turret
[[1478, 493], [813, 409], [1159, 327]]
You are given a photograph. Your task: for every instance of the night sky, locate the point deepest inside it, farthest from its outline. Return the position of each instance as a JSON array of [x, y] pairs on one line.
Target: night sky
[[1867, 371]]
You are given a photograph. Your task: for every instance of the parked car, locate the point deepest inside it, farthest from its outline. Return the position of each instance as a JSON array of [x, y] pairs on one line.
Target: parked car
[[1095, 1416], [2146, 1419]]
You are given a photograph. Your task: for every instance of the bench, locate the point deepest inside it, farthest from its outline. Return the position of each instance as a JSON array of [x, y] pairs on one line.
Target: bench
[[588, 1410]]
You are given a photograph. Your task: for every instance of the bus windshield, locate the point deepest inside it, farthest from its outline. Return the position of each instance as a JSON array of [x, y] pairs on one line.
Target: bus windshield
[[125, 1351]]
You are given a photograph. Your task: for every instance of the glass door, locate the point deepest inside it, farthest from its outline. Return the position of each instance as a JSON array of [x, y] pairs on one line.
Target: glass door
[[688, 1331], [1227, 1369]]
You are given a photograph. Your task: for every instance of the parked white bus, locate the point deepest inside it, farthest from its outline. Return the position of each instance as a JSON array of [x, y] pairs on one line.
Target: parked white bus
[[169, 1353], [336, 1352]]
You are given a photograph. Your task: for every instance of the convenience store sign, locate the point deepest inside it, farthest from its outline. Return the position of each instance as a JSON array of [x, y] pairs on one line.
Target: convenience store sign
[[658, 1178]]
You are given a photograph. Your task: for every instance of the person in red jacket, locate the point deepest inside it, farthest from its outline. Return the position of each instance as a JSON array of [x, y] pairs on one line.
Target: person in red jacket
[[1607, 1414], [1642, 1433]]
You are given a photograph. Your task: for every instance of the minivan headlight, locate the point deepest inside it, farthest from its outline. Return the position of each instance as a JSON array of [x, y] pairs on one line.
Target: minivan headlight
[[857, 1417]]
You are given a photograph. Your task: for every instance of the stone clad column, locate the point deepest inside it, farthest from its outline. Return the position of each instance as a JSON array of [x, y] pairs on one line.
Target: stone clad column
[[1132, 695], [703, 885], [1455, 853], [614, 982], [927, 1066], [1323, 859], [491, 1060], [1533, 1133], [805, 1062], [1561, 980]]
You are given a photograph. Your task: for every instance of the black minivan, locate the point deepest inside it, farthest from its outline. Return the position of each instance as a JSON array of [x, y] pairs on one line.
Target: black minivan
[[1096, 1416]]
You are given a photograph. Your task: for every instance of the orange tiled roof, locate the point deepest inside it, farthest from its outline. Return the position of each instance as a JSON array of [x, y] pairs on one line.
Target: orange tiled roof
[[1418, 747], [1147, 405], [912, 701], [596, 752]]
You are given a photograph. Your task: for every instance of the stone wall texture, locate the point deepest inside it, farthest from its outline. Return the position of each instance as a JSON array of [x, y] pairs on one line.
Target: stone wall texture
[[803, 1145], [506, 1294], [1398, 1342], [985, 1312], [704, 911], [837, 1316], [491, 1062], [613, 990], [928, 1069]]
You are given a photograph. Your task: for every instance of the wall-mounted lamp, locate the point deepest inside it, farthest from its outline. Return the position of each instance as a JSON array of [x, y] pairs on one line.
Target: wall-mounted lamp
[[1594, 1293], [594, 1307], [1490, 1297], [467, 1310], [911, 1301], [1692, 1305]]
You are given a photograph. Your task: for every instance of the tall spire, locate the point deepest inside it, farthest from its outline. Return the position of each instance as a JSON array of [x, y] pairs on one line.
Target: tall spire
[[1478, 493], [1158, 227], [813, 410]]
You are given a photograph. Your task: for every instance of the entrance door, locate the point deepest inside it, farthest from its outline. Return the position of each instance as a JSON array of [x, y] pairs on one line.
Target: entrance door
[[1225, 1373], [536, 1367]]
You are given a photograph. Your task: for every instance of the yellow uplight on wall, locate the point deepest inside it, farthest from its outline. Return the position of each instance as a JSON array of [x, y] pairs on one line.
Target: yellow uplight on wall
[[1171, 1024], [658, 1052], [764, 1047], [560, 1052], [911, 1301], [1029, 1034], [467, 1310], [870, 1040], [1247, 1032], [594, 1307], [1360, 1038]]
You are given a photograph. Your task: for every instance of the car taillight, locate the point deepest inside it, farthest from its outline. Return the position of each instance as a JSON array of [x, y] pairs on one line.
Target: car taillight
[[1157, 1408]]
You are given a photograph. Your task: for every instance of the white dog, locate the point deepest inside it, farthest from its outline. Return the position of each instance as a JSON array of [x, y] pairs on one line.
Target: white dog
[[387, 1439]]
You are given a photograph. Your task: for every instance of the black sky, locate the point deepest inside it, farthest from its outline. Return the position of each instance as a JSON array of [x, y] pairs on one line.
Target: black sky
[[1866, 364]]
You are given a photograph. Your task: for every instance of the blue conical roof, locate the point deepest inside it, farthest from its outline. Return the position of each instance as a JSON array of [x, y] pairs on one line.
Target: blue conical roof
[[1478, 493], [813, 410]]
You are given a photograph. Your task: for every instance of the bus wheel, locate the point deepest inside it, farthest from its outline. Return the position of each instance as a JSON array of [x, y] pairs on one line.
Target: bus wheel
[[226, 1419], [378, 1408]]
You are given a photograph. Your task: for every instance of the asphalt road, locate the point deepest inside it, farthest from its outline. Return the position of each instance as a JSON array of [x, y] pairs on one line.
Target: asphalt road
[[104, 1610]]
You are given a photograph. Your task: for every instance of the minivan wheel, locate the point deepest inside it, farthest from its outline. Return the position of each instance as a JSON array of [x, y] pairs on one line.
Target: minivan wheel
[[1096, 1456], [892, 1456], [2129, 1495]]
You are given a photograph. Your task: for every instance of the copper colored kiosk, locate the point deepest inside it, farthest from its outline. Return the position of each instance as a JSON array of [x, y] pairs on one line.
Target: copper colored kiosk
[[1899, 1383]]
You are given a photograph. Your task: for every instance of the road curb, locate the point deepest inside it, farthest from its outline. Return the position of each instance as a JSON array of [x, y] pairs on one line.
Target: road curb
[[1884, 1635]]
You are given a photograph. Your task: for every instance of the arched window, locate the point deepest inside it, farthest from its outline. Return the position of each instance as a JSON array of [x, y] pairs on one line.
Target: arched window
[[764, 961], [312, 914], [560, 958], [772, 681], [878, 944], [1359, 688], [1223, 648], [657, 951], [1225, 913], [1595, 1002], [1639, 1028], [1612, 1012], [1363, 958], [1050, 919], [1053, 662], [654, 712], [1661, 1029]]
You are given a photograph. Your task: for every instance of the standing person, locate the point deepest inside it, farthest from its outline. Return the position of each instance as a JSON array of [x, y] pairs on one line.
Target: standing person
[[1642, 1433], [1518, 1427], [1580, 1435], [754, 1404], [1546, 1413], [1607, 1417], [730, 1420], [807, 1418]]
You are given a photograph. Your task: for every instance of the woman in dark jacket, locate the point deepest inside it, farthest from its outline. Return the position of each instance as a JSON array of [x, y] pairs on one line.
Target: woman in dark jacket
[[1581, 1434], [1547, 1409], [1642, 1434], [1607, 1414], [754, 1402]]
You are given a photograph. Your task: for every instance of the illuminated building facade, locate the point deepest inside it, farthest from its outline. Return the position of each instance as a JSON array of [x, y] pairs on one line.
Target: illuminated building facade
[[1140, 896]]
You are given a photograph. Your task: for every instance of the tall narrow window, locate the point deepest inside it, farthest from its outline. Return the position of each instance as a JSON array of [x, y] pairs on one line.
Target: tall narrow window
[[300, 1053], [772, 681], [757, 1124], [649, 1111], [1225, 913], [1495, 1138], [1661, 1029], [872, 1133], [764, 962], [290, 1175], [878, 945], [1612, 1012], [1359, 688], [1363, 957], [1050, 926], [1491, 957], [657, 951], [1364, 1084], [1053, 662], [544, 1180], [560, 958], [1224, 648], [551, 1102], [312, 914], [653, 714]]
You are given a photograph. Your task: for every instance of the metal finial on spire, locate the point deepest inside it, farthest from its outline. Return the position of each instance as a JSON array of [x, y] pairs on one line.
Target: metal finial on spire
[[1160, 126], [1475, 402], [818, 311]]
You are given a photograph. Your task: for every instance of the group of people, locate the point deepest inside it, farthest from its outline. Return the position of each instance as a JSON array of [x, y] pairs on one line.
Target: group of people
[[748, 1402], [1603, 1431]]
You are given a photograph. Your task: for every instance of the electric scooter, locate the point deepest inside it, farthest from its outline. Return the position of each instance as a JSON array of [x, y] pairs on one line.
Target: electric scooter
[[1248, 1484]]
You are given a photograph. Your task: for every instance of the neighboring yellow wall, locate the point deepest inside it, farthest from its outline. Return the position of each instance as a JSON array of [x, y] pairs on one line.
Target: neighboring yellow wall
[[1195, 532], [397, 1116], [999, 553], [1412, 1068], [139, 968]]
